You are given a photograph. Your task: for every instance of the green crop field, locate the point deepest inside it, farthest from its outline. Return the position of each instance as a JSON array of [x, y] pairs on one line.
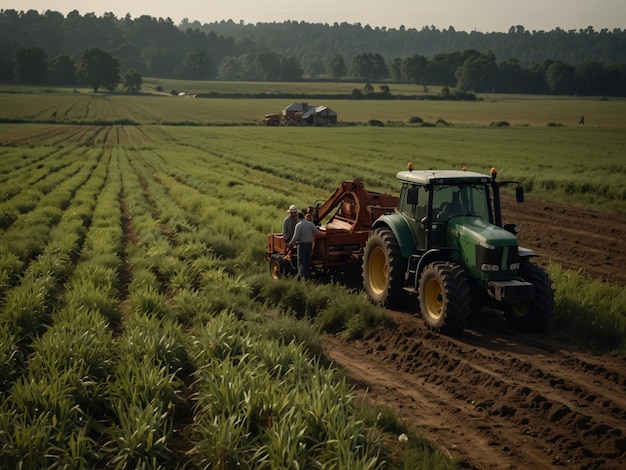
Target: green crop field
[[138, 325]]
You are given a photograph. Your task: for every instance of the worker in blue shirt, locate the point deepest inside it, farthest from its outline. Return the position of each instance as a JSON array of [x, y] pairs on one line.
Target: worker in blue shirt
[[303, 236]]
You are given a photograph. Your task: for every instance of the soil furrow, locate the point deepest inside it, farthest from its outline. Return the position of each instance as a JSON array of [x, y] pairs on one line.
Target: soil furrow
[[493, 397]]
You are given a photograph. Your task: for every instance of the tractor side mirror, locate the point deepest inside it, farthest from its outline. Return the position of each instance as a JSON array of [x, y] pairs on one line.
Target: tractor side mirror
[[519, 194], [512, 228]]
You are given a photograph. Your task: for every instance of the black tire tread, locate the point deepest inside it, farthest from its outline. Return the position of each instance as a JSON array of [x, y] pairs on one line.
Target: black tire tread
[[541, 309], [458, 297], [394, 295]]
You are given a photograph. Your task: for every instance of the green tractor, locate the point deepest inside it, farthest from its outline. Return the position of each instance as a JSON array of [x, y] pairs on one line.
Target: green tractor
[[446, 244]]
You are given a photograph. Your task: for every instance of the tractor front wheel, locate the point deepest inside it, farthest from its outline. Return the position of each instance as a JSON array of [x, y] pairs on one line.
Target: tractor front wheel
[[383, 269], [535, 315], [444, 295]]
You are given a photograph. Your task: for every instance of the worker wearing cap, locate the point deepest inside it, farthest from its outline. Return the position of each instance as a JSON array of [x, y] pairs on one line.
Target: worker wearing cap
[[303, 237], [289, 224]]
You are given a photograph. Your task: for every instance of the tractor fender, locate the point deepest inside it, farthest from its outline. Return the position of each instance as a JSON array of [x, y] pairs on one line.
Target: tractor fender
[[431, 256], [525, 253], [436, 254], [402, 231]]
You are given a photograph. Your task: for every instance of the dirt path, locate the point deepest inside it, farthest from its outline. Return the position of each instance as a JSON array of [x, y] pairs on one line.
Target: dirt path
[[495, 398]]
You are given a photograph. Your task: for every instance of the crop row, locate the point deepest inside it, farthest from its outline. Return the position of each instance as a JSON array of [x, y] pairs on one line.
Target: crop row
[[124, 342]]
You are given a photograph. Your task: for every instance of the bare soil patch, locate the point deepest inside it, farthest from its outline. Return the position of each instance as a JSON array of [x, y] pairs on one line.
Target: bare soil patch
[[580, 239], [495, 398]]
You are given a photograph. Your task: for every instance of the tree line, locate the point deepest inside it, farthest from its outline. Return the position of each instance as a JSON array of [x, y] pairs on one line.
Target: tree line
[[51, 48]]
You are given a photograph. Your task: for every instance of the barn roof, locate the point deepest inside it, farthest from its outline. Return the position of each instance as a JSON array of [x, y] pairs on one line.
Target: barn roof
[[322, 110], [298, 107], [310, 109]]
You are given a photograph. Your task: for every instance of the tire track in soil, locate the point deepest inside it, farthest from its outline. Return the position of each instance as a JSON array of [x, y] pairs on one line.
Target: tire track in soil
[[495, 398]]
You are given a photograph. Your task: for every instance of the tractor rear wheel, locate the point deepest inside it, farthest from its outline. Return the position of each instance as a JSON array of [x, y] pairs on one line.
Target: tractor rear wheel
[[383, 269], [535, 315], [278, 267], [444, 295]]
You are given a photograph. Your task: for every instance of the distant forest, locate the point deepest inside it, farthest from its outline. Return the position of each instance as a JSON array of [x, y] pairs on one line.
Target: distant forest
[[43, 48]]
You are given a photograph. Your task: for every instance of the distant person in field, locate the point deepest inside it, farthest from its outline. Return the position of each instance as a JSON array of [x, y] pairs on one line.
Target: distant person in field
[[582, 121], [303, 237], [289, 224]]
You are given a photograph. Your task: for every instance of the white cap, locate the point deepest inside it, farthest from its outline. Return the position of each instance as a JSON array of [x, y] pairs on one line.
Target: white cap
[[292, 208]]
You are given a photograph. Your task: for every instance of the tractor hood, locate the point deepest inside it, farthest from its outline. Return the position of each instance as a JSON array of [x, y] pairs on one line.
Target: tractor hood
[[477, 231], [490, 251]]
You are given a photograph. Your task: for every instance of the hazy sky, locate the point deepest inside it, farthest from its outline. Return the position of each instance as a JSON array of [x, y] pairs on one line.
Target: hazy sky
[[463, 15]]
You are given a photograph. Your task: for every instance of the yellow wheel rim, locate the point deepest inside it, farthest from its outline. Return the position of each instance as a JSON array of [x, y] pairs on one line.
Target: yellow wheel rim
[[378, 270], [520, 310], [275, 270], [434, 298]]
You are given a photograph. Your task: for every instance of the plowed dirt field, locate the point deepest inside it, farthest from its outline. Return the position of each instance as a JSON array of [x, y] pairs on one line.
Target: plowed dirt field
[[495, 398]]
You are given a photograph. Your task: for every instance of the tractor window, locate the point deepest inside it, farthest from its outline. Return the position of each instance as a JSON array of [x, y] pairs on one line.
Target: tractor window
[[477, 201], [450, 201], [414, 205]]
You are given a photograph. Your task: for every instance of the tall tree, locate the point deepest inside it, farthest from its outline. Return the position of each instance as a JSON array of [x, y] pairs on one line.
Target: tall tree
[[478, 73], [414, 69], [560, 78], [98, 69], [591, 79], [31, 66], [230, 68], [62, 71], [159, 62], [313, 65], [442, 68], [198, 65], [267, 64], [272, 66], [395, 69], [132, 81], [368, 67], [337, 67], [617, 79]]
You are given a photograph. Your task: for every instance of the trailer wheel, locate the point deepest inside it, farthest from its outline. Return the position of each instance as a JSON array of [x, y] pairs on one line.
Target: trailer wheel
[[278, 267], [383, 269], [535, 315], [445, 297]]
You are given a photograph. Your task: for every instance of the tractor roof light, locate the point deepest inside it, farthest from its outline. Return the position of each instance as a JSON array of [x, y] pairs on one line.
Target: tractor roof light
[[493, 172], [410, 166]]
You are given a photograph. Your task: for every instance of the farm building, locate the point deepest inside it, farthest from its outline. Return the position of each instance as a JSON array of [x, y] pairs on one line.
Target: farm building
[[311, 115]]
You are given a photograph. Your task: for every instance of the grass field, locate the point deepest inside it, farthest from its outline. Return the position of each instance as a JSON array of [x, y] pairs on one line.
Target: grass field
[[80, 106], [138, 325]]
